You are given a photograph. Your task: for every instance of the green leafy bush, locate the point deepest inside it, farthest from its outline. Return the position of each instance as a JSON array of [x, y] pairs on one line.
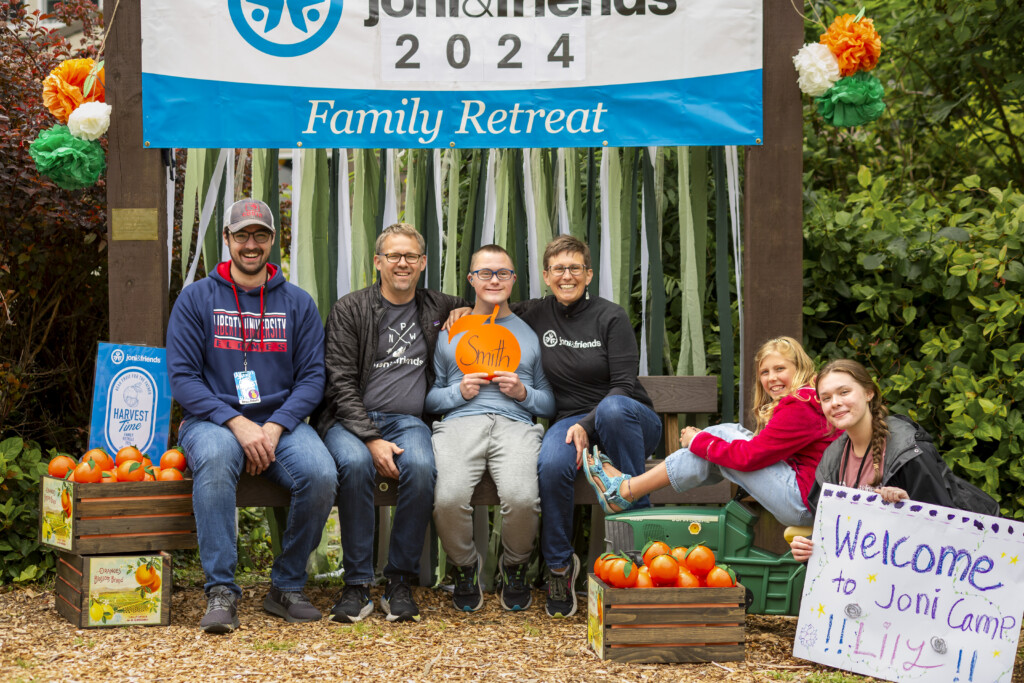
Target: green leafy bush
[[22, 558], [925, 289]]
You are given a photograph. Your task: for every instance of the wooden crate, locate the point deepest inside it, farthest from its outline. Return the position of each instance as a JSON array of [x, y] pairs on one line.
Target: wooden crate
[[127, 517], [666, 624], [104, 591]]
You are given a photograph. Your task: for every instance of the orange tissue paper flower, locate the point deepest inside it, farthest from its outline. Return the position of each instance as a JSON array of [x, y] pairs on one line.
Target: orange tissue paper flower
[[856, 44], [62, 89]]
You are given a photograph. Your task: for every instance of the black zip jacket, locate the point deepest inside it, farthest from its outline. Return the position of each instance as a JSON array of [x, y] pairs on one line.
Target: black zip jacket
[[588, 350], [351, 346], [913, 464]]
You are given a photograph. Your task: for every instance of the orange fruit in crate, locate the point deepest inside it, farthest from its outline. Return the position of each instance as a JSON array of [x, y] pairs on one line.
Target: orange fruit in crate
[[601, 565], [60, 466], [685, 579], [88, 472], [100, 457], [653, 549], [109, 477], [128, 453], [130, 470], [700, 560], [643, 578], [721, 577], [664, 570], [679, 552], [169, 474], [622, 573], [173, 458]]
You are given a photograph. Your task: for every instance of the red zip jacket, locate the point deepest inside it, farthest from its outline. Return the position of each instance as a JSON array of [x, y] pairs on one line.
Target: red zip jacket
[[797, 433]]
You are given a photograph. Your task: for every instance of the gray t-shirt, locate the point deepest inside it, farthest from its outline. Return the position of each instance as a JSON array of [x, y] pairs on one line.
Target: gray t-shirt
[[398, 381]]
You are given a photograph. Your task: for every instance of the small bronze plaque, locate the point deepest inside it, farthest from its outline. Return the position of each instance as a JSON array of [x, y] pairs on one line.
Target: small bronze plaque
[[134, 224]]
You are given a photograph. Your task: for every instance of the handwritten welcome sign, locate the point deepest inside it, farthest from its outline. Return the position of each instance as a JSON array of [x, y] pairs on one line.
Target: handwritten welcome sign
[[911, 591]]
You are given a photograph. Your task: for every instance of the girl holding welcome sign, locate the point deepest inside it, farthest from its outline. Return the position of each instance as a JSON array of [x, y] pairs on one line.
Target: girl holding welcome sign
[[889, 454]]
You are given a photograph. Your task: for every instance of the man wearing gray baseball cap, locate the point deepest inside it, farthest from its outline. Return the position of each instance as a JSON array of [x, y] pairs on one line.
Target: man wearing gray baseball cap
[[245, 353]]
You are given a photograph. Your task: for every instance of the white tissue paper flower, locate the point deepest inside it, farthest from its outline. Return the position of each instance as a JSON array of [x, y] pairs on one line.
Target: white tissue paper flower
[[817, 67], [89, 120]]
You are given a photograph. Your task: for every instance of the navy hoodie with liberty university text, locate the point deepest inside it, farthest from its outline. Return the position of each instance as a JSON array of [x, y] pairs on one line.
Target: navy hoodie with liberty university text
[[204, 349]]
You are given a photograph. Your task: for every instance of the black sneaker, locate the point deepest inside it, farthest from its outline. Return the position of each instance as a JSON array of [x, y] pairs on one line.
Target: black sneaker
[[562, 590], [468, 596], [354, 605], [292, 606], [221, 611], [397, 601], [513, 592]]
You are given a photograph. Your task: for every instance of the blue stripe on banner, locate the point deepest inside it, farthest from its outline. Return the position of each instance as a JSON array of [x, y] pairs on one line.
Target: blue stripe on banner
[[712, 110]]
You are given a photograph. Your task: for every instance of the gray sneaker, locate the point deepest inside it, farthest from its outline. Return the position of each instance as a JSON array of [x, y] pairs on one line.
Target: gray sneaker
[[292, 606], [562, 590], [221, 611], [513, 592], [468, 596]]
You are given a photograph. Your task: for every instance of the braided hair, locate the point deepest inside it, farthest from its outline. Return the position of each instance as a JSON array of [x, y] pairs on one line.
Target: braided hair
[[877, 409]]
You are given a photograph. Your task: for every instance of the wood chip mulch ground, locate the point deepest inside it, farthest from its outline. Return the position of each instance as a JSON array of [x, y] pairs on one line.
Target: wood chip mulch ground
[[37, 644]]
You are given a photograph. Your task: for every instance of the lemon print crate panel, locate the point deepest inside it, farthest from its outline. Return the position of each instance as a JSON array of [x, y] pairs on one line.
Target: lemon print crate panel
[[125, 517], [111, 590]]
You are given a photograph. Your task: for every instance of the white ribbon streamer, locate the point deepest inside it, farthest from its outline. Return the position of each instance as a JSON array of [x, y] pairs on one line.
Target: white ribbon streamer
[[439, 245], [229, 197], [563, 206], [490, 201], [209, 203], [390, 193], [293, 266], [531, 226], [344, 273]]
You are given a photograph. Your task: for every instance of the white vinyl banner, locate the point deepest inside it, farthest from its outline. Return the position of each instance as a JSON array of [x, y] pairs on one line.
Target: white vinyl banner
[[912, 591], [451, 73]]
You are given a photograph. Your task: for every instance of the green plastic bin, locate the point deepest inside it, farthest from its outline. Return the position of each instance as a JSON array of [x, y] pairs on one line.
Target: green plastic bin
[[776, 582], [728, 530]]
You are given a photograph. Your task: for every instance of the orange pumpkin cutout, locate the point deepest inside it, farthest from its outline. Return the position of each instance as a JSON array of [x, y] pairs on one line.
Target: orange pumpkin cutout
[[485, 347]]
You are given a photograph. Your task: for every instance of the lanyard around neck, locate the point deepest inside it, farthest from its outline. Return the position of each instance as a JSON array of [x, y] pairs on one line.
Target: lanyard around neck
[[241, 322], [846, 460]]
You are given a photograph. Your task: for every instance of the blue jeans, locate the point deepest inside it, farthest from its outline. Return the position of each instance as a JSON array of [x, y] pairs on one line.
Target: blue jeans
[[356, 483], [774, 486], [627, 431], [302, 465]]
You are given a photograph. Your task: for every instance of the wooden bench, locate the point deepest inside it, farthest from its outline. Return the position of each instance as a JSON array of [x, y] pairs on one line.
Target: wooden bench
[[671, 396]]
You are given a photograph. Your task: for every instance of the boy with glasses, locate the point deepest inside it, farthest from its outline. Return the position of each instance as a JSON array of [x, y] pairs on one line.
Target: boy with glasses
[[379, 357], [245, 354], [488, 426]]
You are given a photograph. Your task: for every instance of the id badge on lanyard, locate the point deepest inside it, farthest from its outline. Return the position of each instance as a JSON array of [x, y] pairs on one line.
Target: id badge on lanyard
[[247, 388]]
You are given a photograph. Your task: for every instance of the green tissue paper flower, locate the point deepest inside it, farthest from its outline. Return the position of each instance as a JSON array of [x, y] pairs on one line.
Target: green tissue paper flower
[[852, 101], [72, 163]]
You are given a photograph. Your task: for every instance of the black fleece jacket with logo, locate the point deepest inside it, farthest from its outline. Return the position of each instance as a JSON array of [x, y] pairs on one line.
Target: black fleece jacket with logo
[[588, 350]]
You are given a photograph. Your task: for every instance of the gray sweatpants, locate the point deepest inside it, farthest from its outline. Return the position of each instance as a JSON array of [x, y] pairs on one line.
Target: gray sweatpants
[[464, 448]]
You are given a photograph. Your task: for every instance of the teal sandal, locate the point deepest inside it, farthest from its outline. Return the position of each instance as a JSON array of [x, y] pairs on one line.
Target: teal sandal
[[611, 495]]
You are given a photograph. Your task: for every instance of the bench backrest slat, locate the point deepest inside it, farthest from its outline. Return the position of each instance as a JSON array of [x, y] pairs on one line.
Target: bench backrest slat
[[685, 394]]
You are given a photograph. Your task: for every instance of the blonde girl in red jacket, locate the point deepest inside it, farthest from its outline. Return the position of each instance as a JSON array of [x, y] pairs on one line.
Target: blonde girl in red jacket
[[775, 464]]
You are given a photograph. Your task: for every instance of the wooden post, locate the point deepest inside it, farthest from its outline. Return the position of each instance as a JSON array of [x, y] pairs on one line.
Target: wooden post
[[773, 205], [136, 193]]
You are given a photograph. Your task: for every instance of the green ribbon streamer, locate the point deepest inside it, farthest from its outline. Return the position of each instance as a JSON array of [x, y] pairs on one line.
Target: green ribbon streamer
[[450, 283], [656, 320], [593, 213], [722, 289], [520, 251], [364, 217], [266, 187]]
